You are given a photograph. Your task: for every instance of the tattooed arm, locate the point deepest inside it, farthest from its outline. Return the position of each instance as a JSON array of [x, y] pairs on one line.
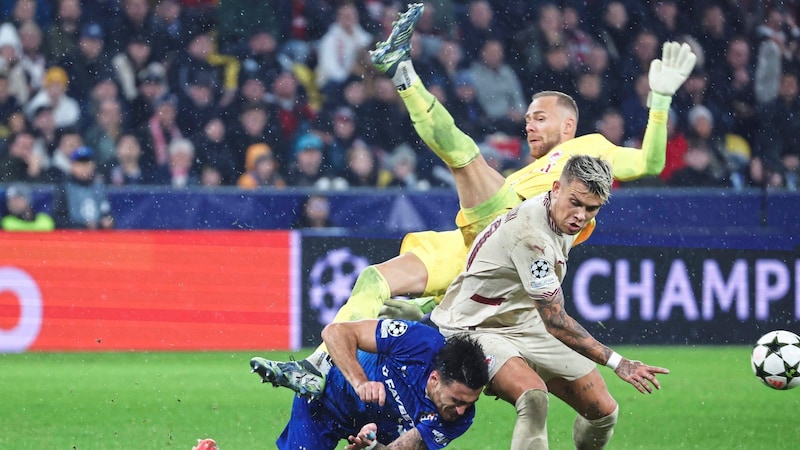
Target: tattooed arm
[[561, 325]]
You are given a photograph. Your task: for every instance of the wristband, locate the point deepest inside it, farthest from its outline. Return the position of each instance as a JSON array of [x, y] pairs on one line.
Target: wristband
[[613, 361], [373, 445]]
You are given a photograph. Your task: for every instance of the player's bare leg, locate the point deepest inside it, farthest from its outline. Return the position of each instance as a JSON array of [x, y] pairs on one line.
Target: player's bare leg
[[521, 386], [597, 410]]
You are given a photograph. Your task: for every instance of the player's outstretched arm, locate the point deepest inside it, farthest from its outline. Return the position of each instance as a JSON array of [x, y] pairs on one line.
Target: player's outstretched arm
[[567, 330], [343, 340], [666, 75], [410, 440]]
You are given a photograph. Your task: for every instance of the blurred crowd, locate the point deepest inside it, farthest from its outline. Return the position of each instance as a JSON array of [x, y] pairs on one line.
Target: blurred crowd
[[260, 93]]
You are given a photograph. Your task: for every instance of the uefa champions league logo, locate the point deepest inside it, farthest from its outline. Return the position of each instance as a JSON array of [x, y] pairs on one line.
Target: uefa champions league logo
[[331, 279]]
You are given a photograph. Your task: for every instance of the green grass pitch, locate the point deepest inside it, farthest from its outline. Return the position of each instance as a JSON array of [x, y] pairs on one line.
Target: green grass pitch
[[99, 401]]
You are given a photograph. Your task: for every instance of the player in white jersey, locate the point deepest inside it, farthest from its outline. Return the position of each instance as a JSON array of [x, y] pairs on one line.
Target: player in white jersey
[[509, 298]]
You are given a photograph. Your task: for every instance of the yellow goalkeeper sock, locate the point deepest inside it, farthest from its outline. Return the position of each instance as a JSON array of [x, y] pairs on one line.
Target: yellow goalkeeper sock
[[368, 295], [436, 127]]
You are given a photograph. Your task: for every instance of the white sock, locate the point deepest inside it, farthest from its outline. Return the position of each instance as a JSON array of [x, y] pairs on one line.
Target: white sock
[[405, 75], [321, 361]]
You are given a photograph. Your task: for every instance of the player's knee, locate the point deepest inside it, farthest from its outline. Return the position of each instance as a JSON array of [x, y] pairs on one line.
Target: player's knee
[[594, 434], [533, 403]]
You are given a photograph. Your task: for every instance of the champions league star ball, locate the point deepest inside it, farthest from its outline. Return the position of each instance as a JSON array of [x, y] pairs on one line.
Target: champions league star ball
[[775, 359]]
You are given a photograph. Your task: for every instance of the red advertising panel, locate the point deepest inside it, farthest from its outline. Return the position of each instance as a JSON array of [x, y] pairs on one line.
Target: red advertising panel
[[163, 290]]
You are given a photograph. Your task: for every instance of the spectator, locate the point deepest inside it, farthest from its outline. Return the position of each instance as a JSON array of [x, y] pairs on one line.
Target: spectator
[[20, 215], [198, 105], [261, 169], [635, 110], [201, 56], [612, 126], [733, 81], [577, 38], [171, 24], [778, 143], [8, 107], [43, 126], [21, 162], [402, 166], [80, 201], [698, 171], [66, 110], [180, 171], [315, 214], [702, 130], [465, 108], [294, 113], [237, 20], [10, 54], [88, 65], [105, 130], [68, 140], [500, 92], [713, 35], [599, 63], [676, 148], [644, 48], [260, 59], [152, 85], [136, 19], [591, 100], [125, 168], [338, 136], [387, 124], [616, 30], [477, 27], [256, 124], [554, 74], [528, 46], [338, 49], [361, 168], [128, 64], [307, 169], [32, 58], [777, 41], [667, 22], [213, 151], [61, 37], [158, 132]]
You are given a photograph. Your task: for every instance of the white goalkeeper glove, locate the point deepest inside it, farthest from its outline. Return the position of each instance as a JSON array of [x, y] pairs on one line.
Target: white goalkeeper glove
[[667, 74]]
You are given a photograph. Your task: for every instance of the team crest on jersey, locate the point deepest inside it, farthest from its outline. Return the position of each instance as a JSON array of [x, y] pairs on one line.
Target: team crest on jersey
[[396, 328], [428, 417], [490, 360]]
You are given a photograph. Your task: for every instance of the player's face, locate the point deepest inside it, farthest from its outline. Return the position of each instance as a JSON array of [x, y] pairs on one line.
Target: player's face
[[452, 400], [573, 206], [545, 126]]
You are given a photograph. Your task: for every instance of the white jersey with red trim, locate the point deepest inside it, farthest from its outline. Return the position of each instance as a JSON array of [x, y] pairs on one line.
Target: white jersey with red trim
[[520, 256]]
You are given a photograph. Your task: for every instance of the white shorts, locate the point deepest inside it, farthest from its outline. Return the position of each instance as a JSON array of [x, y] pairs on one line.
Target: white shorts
[[545, 354]]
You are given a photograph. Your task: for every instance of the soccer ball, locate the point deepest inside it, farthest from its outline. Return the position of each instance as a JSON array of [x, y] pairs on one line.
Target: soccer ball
[[775, 359]]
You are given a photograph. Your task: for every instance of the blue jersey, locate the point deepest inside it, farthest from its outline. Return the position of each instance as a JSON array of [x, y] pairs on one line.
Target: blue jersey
[[404, 361]]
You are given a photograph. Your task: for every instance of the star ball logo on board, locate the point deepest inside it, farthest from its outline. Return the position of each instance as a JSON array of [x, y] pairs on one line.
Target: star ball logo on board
[[24, 288]]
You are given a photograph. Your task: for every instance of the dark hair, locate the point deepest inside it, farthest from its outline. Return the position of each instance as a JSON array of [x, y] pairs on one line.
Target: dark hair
[[462, 360]]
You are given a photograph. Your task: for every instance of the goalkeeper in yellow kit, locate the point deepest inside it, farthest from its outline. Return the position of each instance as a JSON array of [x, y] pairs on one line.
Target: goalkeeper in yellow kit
[[430, 260]]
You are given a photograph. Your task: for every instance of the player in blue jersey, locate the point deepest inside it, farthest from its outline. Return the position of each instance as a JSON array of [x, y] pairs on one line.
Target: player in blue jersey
[[393, 381]]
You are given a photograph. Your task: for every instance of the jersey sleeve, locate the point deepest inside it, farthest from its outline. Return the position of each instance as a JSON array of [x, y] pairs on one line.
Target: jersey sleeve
[[536, 268], [631, 163], [437, 434], [411, 341]]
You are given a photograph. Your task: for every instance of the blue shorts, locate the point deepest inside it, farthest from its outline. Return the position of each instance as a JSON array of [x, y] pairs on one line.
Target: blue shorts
[[310, 427]]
